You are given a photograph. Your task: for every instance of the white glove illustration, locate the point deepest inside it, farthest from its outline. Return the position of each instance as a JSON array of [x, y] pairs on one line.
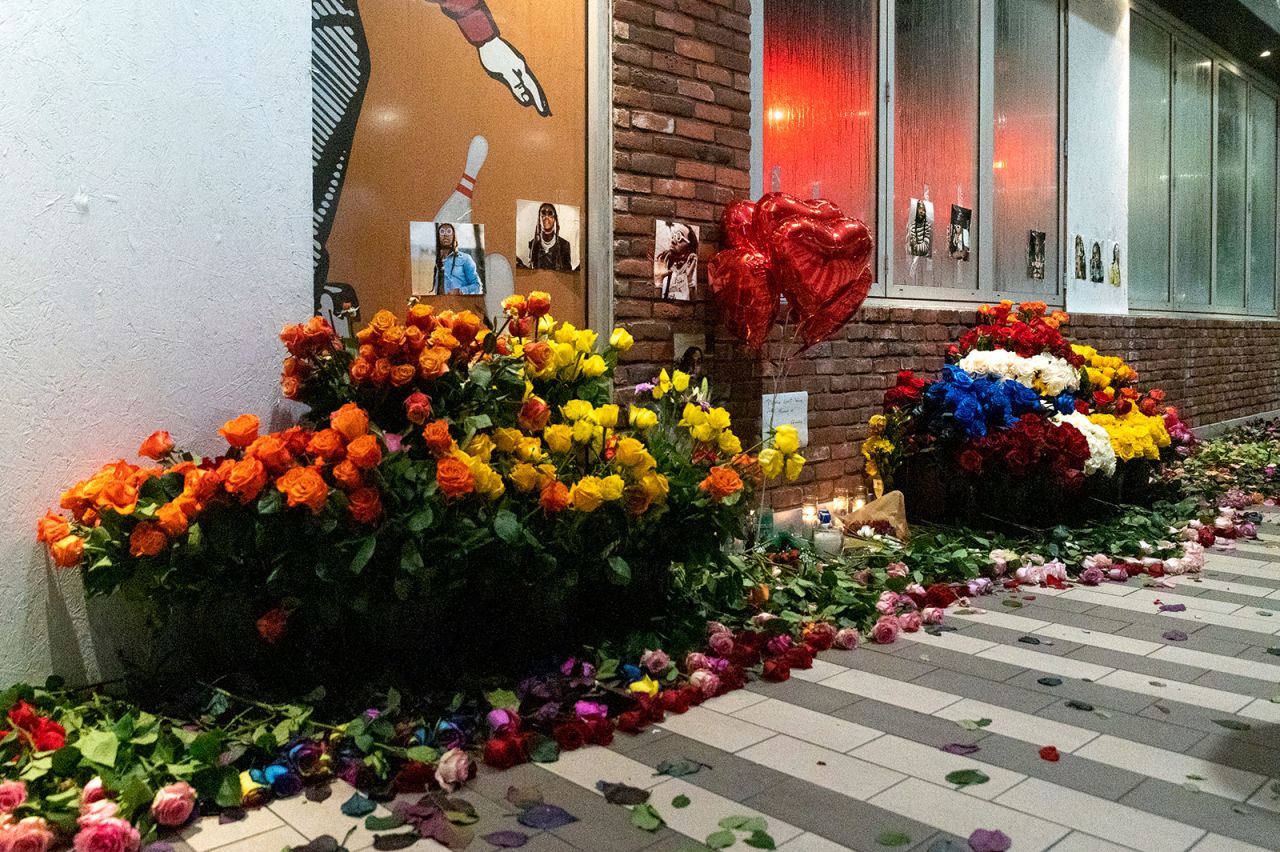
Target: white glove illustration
[[505, 64]]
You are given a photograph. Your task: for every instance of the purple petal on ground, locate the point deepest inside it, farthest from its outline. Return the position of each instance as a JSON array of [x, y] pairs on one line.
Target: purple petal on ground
[[1173, 607], [546, 817], [989, 840], [232, 815], [506, 839], [1174, 635], [959, 748]]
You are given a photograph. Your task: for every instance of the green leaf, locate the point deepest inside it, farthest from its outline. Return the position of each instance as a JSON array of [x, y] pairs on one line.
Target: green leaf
[[646, 818], [363, 555], [720, 839], [679, 767], [760, 840], [382, 823], [893, 838], [65, 760], [544, 750], [357, 806], [733, 822], [411, 558], [507, 526], [619, 571], [1233, 724], [220, 784], [422, 754], [680, 801], [967, 777], [99, 747], [420, 520], [502, 699]]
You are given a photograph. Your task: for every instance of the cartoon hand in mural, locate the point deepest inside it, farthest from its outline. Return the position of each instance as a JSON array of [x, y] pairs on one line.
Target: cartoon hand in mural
[[505, 64]]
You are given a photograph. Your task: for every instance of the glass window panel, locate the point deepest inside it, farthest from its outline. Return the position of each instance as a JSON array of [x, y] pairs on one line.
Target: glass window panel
[[1192, 173], [935, 135], [1025, 167], [1262, 203], [1149, 49], [820, 69], [1229, 192]]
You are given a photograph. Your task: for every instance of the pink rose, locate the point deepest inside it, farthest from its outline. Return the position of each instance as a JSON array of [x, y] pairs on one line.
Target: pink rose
[[760, 619], [705, 682], [1120, 575], [93, 791], [896, 569], [846, 639], [887, 603], [1092, 576], [108, 835], [12, 794], [1175, 566], [916, 590], [455, 769], [1030, 574], [28, 835], [721, 642], [695, 661], [393, 442], [714, 627], [779, 645], [932, 615], [909, 621], [885, 631], [656, 662], [590, 710], [1057, 569], [96, 812], [1100, 561], [173, 804]]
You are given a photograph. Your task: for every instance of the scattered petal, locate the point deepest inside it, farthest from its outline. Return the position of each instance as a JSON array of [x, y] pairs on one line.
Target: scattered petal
[[1011, 603], [893, 838], [1173, 607], [1080, 705], [403, 840], [1029, 640], [1193, 777], [1274, 651], [680, 767], [760, 840], [1175, 636], [524, 797], [1266, 613], [1157, 683], [1102, 714], [681, 801], [646, 818], [1162, 708], [1191, 786], [622, 794], [383, 823], [962, 749], [1050, 753], [232, 815], [967, 777], [1233, 724], [357, 806], [989, 840], [720, 839], [506, 839], [1050, 681], [319, 793], [545, 816]]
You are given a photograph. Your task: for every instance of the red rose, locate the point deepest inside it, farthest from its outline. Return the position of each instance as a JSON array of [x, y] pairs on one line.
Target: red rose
[[632, 721], [48, 735], [694, 694], [570, 736], [599, 731], [940, 595], [506, 752], [732, 678], [414, 777], [799, 657], [23, 715], [674, 701], [776, 670]]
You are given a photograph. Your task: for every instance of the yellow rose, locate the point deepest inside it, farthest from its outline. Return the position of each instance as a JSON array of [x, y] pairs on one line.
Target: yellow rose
[[488, 482], [621, 339], [693, 415], [480, 446], [655, 485], [703, 432], [718, 418], [729, 443], [576, 409], [611, 487], [506, 440], [662, 386], [878, 422], [629, 452], [795, 464], [771, 462], [529, 449], [565, 354], [585, 340], [559, 437], [584, 431], [587, 494], [594, 366], [680, 381], [546, 324], [645, 686], [566, 333], [642, 418], [786, 439], [606, 415], [525, 476]]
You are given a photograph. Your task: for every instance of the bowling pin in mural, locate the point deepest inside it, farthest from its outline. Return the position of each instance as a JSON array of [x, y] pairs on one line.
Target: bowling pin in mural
[[457, 207]]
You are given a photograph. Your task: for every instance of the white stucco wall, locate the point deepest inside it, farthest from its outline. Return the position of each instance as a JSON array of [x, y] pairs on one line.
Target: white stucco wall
[[154, 236], [1097, 147]]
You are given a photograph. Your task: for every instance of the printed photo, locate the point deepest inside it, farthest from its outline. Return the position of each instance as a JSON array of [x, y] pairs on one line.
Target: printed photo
[[675, 259], [1095, 263], [548, 236], [1035, 255], [920, 228], [691, 355], [1080, 270], [958, 235], [1113, 271], [446, 258]]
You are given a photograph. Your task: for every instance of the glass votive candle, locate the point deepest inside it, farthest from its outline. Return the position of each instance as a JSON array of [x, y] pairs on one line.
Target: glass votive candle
[[859, 497], [809, 515], [840, 502]]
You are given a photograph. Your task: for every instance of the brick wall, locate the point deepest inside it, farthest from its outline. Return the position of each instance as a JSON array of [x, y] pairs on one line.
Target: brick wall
[[682, 147]]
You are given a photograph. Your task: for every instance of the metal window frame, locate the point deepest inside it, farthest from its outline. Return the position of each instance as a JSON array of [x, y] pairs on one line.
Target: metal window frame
[[599, 166]]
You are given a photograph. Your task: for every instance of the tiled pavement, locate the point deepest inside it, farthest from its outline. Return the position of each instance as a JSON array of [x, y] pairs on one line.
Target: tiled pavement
[[850, 750]]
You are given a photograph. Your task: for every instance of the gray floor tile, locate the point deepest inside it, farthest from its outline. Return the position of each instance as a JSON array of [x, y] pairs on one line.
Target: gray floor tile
[[1010, 637], [1226, 577], [1073, 618], [1199, 719], [895, 665], [993, 692], [729, 776], [677, 843], [626, 743], [1249, 601], [1257, 557], [908, 724], [602, 826], [1212, 813], [1224, 640], [493, 783], [1238, 684], [1135, 663], [1231, 751], [1077, 773], [956, 661], [803, 693], [942, 842], [1053, 602], [547, 842], [1107, 697], [1259, 652], [838, 818], [1149, 729]]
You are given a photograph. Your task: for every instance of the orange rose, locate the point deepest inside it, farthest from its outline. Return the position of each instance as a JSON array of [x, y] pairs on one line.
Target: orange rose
[[188, 504], [414, 340], [419, 316], [347, 475], [318, 331], [327, 444], [289, 387], [241, 431], [362, 370], [304, 486], [382, 322], [364, 452], [272, 452], [52, 528], [554, 497], [119, 495], [433, 362], [365, 505], [171, 519], [439, 441], [147, 539], [272, 624], [293, 338], [350, 420], [392, 340], [455, 477], [246, 479], [368, 352], [538, 303], [67, 551], [292, 367], [443, 338], [157, 446], [533, 415], [466, 326], [202, 484], [540, 356], [295, 439], [721, 482], [417, 407], [402, 374], [381, 371]]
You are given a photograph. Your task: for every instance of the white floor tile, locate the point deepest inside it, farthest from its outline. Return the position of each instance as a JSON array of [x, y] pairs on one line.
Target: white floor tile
[[995, 618], [706, 809], [1093, 815], [1175, 768], [1187, 693], [1117, 589], [809, 725], [890, 691], [1079, 842], [1265, 799], [932, 764], [837, 772], [586, 766], [960, 814], [1019, 726], [1096, 639], [1200, 614], [1220, 663], [1145, 600], [1264, 709], [283, 837], [1024, 657], [715, 729], [821, 671], [953, 640], [731, 702], [809, 842], [1218, 843], [1222, 586], [316, 818], [1241, 566], [208, 834]]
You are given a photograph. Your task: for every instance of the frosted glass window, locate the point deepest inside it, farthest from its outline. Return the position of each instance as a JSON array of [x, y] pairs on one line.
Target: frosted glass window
[[1025, 163], [1262, 203], [1229, 192], [1148, 162], [820, 69], [1192, 175], [935, 135]]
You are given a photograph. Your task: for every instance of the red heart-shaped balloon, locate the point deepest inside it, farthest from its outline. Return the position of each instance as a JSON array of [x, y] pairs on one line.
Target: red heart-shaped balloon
[[777, 207], [746, 293], [824, 270], [736, 224]]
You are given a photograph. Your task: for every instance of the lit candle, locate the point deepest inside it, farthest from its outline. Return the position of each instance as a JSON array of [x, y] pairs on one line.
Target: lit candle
[[809, 514], [859, 497], [840, 502]]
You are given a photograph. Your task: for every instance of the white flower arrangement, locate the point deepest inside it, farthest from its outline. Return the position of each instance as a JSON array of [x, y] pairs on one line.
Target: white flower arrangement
[[1102, 457], [1048, 374]]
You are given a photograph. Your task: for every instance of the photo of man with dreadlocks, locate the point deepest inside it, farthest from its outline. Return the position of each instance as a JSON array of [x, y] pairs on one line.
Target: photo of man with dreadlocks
[[920, 228], [447, 258], [546, 236], [675, 259]]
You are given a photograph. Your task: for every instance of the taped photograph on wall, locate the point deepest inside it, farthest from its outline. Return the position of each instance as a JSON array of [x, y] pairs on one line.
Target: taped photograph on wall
[[958, 235], [1035, 255], [447, 258], [675, 259], [547, 236], [920, 228], [1095, 263]]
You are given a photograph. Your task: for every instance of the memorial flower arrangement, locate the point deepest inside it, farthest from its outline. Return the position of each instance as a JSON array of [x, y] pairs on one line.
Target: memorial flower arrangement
[[445, 467]]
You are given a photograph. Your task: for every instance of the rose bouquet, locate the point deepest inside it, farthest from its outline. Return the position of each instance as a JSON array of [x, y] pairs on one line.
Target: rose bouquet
[[447, 469]]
